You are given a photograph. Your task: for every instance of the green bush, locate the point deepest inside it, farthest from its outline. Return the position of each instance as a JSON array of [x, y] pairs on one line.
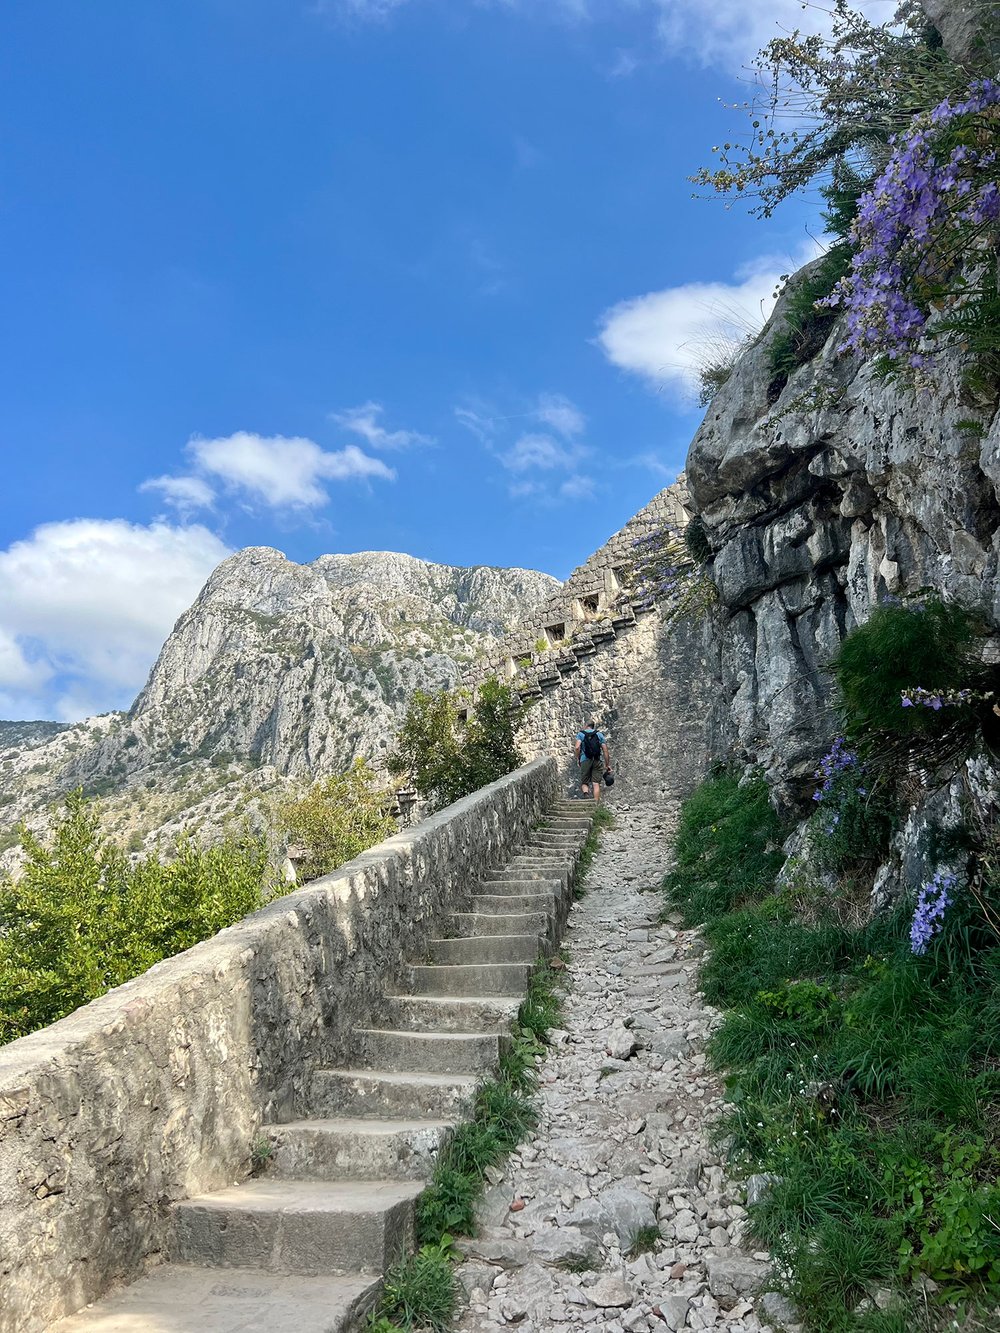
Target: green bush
[[727, 848], [928, 644], [337, 819], [446, 760], [82, 918], [806, 327]]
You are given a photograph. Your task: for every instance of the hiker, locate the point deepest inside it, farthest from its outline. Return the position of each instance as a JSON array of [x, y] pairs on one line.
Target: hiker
[[593, 757]]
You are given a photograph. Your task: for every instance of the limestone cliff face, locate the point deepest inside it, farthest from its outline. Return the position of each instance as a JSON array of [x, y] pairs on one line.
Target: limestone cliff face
[[842, 490], [278, 670], [305, 666]]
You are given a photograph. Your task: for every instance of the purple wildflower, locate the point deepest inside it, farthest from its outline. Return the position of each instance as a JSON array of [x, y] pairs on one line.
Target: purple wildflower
[[933, 901], [922, 212]]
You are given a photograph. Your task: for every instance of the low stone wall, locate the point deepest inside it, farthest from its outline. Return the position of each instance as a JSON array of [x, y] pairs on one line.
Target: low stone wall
[[156, 1091]]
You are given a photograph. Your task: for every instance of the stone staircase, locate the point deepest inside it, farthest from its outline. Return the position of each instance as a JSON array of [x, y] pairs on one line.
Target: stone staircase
[[301, 1247]]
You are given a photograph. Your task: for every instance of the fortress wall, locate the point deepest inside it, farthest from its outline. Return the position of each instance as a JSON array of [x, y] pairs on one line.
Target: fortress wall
[[156, 1091], [653, 691]]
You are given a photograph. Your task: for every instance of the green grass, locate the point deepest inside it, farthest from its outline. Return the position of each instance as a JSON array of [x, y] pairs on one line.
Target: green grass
[[806, 328], [866, 1079], [420, 1292], [645, 1240], [727, 850]]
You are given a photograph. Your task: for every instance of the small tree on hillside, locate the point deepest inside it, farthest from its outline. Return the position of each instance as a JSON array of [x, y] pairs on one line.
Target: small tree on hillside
[[338, 818], [446, 759]]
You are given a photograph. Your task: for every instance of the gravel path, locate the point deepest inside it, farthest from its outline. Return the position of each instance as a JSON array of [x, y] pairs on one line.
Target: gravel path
[[623, 1144]]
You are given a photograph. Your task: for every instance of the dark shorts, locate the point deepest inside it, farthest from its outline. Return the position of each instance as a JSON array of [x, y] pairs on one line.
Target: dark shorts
[[592, 770]]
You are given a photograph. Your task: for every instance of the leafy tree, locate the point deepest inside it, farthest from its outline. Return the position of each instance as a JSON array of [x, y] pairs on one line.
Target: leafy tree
[[829, 98], [446, 759], [82, 918], [338, 818]]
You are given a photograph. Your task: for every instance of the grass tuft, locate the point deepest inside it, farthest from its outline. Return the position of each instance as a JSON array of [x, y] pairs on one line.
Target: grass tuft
[[603, 819], [418, 1293], [644, 1241]]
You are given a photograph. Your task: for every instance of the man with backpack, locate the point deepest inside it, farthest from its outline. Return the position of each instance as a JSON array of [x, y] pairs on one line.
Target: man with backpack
[[594, 759]]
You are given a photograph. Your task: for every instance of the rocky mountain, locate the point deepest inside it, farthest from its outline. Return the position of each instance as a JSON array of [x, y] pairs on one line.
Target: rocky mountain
[[28, 733], [277, 671]]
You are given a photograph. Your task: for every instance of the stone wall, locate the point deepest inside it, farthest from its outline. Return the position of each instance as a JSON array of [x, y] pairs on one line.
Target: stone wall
[[156, 1091], [653, 692], [597, 650]]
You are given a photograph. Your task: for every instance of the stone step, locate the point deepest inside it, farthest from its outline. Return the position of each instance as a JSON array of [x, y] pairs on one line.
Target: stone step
[[370, 1093], [463, 1013], [430, 1052], [175, 1298], [520, 873], [558, 838], [351, 1149], [470, 979], [488, 949], [298, 1226], [556, 856], [473, 925], [504, 903]]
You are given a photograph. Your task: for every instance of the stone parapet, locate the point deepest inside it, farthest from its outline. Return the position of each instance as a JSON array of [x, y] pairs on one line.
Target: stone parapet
[[156, 1091]]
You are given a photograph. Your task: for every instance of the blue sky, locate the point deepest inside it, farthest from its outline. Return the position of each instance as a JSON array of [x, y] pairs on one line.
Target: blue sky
[[418, 275]]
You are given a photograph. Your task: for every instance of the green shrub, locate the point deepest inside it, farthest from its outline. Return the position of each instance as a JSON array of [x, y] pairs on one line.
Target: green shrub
[[928, 644], [337, 819], [446, 760], [806, 327], [727, 848], [81, 918]]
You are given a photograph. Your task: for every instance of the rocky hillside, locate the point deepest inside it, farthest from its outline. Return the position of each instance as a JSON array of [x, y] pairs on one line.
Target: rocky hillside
[[278, 670], [819, 502]]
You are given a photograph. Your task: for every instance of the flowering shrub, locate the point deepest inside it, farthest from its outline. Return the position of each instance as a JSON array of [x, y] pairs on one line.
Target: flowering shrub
[[933, 901], [932, 209], [852, 824], [822, 98], [665, 573], [918, 697], [926, 645]]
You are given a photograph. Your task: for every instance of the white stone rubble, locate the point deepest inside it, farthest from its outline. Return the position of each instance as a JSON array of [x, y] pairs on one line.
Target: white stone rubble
[[623, 1149]]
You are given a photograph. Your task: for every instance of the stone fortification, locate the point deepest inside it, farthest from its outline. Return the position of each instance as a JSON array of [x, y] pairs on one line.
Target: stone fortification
[[155, 1092], [598, 649]]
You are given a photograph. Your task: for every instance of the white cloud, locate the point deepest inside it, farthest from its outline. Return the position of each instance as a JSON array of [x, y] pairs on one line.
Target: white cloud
[[577, 488], [85, 605], [727, 33], [371, 10], [279, 471], [16, 671], [556, 411], [538, 451], [186, 494], [666, 336], [364, 421]]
